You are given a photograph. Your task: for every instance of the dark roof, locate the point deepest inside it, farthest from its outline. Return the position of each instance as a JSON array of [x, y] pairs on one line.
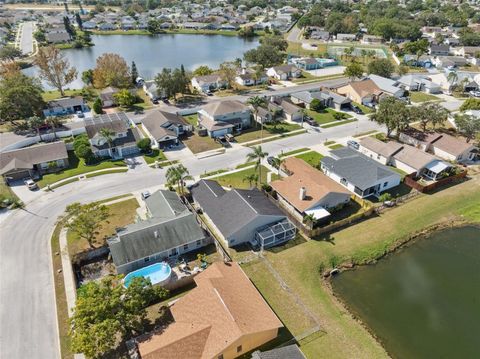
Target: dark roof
[[232, 210], [154, 235], [131, 139], [356, 168], [158, 123], [287, 352], [66, 102]]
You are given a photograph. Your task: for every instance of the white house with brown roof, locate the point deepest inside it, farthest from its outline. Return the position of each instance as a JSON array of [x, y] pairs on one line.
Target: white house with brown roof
[[223, 317], [307, 191], [222, 117]]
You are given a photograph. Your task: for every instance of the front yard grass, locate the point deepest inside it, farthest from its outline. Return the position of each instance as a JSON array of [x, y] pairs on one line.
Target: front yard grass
[[237, 179], [254, 133], [417, 96], [120, 214], [300, 267], [77, 167], [156, 155], [325, 116], [6, 193], [198, 144], [313, 158], [290, 153], [365, 109], [336, 146], [338, 123]]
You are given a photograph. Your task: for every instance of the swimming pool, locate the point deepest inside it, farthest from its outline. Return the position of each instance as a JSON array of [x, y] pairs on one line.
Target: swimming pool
[[158, 273]]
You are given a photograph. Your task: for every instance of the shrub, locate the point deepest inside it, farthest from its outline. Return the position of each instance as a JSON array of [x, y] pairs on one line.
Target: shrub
[[97, 106], [145, 145], [316, 105], [385, 197]]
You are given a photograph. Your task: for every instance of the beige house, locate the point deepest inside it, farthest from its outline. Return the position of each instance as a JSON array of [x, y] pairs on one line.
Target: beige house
[[224, 317], [362, 92]]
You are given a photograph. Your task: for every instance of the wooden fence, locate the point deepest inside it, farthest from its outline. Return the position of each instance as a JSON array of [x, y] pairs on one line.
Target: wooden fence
[[411, 182]]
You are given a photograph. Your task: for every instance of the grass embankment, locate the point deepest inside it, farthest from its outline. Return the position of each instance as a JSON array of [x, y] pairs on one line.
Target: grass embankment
[[6, 193], [417, 97], [290, 153], [237, 179], [60, 295], [299, 266], [120, 214], [338, 123], [156, 155], [326, 115], [255, 133], [77, 167], [313, 158]]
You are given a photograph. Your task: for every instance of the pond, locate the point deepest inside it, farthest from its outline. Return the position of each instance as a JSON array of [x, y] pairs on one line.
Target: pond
[[423, 301], [152, 53]]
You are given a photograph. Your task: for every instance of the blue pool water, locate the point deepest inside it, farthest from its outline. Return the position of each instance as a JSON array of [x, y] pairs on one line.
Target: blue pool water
[[158, 273]]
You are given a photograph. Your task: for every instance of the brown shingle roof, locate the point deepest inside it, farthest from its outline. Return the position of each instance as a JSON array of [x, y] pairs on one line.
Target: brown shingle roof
[[385, 149], [452, 145], [365, 88], [315, 182], [222, 308], [414, 157], [33, 155]]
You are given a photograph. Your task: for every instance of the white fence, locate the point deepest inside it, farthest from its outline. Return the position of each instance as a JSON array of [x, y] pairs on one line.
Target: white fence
[[48, 137]]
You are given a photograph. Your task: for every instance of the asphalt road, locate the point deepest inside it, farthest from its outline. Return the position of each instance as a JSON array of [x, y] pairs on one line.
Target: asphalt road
[[28, 326], [26, 40]]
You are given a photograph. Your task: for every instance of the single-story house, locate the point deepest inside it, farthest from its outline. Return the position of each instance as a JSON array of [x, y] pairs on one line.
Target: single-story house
[[151, 90], [422, 61], [358, 173], [345, 37], [124, 141], [467, 51], [242, 216], [284, 72], [107, 96], [439, 49], [291, 351], [57, 37], [443, 145], [372, 39], [208, 83], [248, 77], [307, 191], [222, 117], [224, 316], [417, 82], [291, 112], [89, 25], [387, 86], [165, 128], [404, 157], [107, 26], [364, 92], [65, 106], [449, 61], [33, 161], [170, 231], [326, 97], [267, 113]]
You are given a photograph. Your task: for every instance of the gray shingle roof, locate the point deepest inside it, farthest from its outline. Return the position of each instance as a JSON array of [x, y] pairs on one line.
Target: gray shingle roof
[[66, 102], [356, 168], [165, 204], [231, 210]]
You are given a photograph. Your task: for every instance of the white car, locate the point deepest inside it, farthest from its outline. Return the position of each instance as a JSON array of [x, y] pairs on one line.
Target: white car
[[30, 183], [475, 93]]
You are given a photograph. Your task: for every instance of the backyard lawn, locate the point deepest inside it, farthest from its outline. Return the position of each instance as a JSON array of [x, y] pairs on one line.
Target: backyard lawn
[[120, 214], [192, 119], [342, 336], [198, 143], [312, 158], [254, 133], [77, 167], [156, 155], [416, 96], [237, 179], [325, 116]]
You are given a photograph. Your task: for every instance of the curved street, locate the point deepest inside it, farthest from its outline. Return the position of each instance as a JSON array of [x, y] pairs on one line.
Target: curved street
[[28, 327]]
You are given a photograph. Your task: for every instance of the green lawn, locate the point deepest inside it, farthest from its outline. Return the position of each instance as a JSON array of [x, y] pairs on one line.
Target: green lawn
[[325, 116], [338, 123], [6, 193], [237, 179], [54, 94], [156, 155], [192, 119], [198, 144], [77, 167], [246, 164], [254, 133], [365, 109], [416, 96], [336, 146], [289, 153], [313, 158], [120, 214], [299, 266]]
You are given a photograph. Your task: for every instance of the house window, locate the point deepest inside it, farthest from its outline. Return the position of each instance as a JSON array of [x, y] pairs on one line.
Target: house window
[[199, 242], [343, 181], [185, 246], [239, 349], [385, 184]]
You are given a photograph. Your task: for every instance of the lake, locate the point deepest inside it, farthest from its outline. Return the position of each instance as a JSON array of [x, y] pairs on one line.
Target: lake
[[152, 53], [423, 301]]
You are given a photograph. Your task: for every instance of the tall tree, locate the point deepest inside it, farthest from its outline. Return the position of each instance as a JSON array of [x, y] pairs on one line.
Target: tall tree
[[257, 155], [36, 122], [429, 113], [177, 175], [79, 21], [54, 68], [393, 114], [134, 73], [264, 55], [87, 77], [467, 125], [228, 72], [452, 78], [54, 122], [251, 178], [256, 102], [108, 136], [353, 70], [381, 67], [111, 70], [66, 7], [9, 52], [86, 220], [21, 96], [68, 26], [202, 71]]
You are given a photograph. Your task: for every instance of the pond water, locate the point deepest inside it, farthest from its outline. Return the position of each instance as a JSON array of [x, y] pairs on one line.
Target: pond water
[[424, 301], [152, 53]]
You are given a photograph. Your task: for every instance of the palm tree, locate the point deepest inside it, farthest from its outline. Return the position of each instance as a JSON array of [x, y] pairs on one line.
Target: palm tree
[[277, 163], [108, 135], [251, 178], [178, 175], [255, 102], [36, 122], [257, 155], [54, 122], [452, 78]]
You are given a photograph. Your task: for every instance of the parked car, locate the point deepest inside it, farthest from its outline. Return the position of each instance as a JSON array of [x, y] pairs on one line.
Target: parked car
[[80, 114], [311, 121], [271, 161], [357, 110], [475, 93], [223, 141], [145, 195], [30, 183], [353, 144], [229, 137]]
